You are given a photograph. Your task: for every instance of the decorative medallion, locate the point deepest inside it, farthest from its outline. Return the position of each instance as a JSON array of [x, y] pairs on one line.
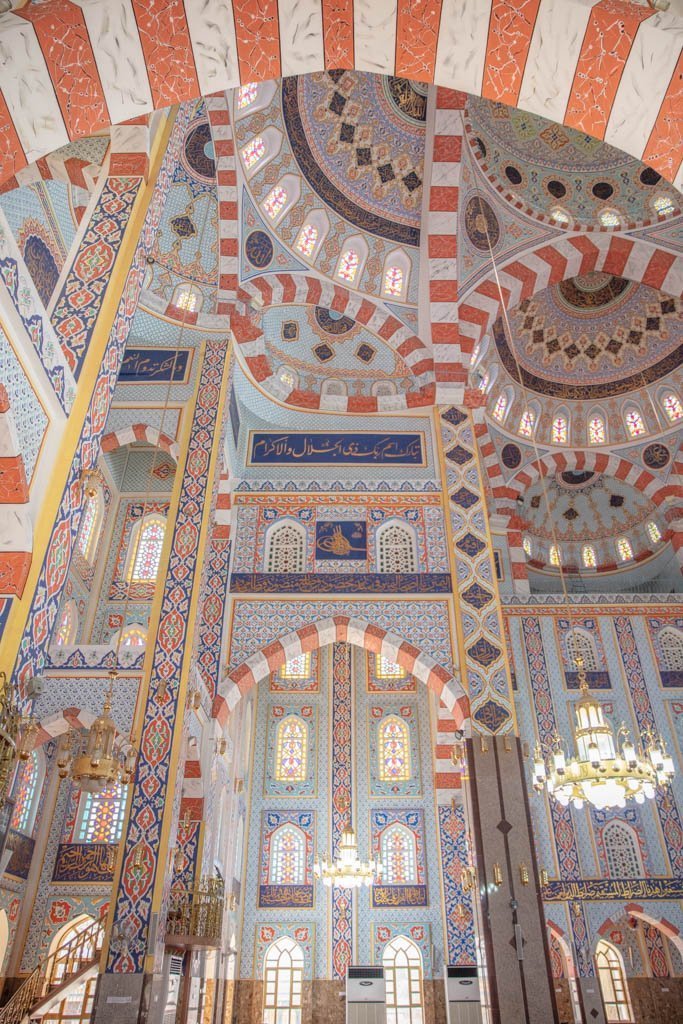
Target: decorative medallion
[[290, 330], [511, 456], [259, 249], [656, 456], [332, 322], [199, 151], [481, 224]]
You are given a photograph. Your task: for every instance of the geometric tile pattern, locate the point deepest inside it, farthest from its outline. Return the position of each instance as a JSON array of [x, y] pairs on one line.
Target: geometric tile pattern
[[455, 858], [341, 797]]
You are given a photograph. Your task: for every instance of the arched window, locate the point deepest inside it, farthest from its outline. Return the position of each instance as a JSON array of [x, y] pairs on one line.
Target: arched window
[[398, 855], [395, 275], [402, 964], [352, 260], [663, 205], [634, 422], [560, 433], [560, 216], [254, 152], [283, 972], [624, 549], [291, 750], [672, 406], [262, 148], [653, 532], [597, 433], [286, 547], [588, 556], [613, 986], [484, 382], [526, 544], [393, 749], [610, 218], [68, 625], [622, 851], [671, 648], [312, 235], [581, 651], [306, 240], [287, 856], [501, 407], [134, 635], [146, 544], [188, 298], [91, 521], [26, 793], [555, 558], [282, 197], [393, 282], [476, 352], [527, 423], [246, 95], [100, 817], [275, 201], [396, 548]]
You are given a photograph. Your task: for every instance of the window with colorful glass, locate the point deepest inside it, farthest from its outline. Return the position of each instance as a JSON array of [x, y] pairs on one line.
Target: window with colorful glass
[[148, 541], [588, 556], [275, 201], [634, 423], [398, 855], [527, 423], [555, 558], [402, 964], [246, 95], [68, 625], [653, 532], [253, 152], [306, 240], [101, 816], [560, 433], [501, 407], [393, 281], [393, 749], [291, 750], [287, 856], [526, 544], [26, 794], [673, 407], [283, 972], [596, 430], [624, 549], [349, 262], [88, 534]]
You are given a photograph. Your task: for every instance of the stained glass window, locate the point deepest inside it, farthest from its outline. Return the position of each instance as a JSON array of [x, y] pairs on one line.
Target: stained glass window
[[609, 218], [560, 430], [308, 236], [275, 201], [90, 523], [393, 749], [149, 543], [283, 972], [254, 151], [475, 354], [133, 636], [25, 793], [298, 667], [653, 532], [596, 430], [101, 817], [526, 423], [663, 204], [672, 407], [396, 548], [348, 265], [186, 299], [291, 750], [387, 669], [484, 381], [559, 215], [501, 407], [624, 549], [403, 977], [634, 423], [588, 555], [398, 855], [68, 625], [526, 544], [285, 548], [554, 555], [247, 95], [287, 856], [393, 281], [612, 980]]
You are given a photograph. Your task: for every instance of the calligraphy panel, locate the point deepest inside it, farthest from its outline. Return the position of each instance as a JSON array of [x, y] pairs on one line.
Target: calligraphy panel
[[326, 449], [155, 366]]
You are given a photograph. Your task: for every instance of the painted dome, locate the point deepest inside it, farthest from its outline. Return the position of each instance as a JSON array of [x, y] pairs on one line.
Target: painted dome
[[546, 166], [577, 509]]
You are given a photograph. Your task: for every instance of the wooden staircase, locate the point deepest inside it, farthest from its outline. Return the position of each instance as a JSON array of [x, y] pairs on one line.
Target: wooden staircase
[[61, 969]]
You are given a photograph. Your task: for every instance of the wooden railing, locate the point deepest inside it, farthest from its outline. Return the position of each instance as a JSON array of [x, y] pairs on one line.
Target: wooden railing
[[54, 973], [195, 916]]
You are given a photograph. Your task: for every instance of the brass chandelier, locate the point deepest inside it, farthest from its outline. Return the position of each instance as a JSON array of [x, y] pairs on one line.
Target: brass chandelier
[[347, 871], [97, 761], [604, 772]]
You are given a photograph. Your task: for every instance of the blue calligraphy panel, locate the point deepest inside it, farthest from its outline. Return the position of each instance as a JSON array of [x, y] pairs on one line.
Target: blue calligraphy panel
[[84, 862], [313, 449], [155, 365], [345, 541]]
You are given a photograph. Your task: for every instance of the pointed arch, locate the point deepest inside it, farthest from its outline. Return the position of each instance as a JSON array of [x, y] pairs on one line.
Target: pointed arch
[[287, 863], [398, 855], [140, 432], [582, 651], [396, 275], [393, 749], [613, 984], [91, 523], [396, 547], [285, 546], [670, 640], [283, 973], [67, 627], [291, 749], [144, 549], [403, 973], [623, 855]]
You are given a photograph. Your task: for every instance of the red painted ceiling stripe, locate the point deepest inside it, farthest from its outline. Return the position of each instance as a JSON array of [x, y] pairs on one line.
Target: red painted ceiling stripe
[[664, 149], [65, 43], [12, 157], [607, 43], [165, 40], [511, 27], [417, 36], [258, 39], [338, 34]]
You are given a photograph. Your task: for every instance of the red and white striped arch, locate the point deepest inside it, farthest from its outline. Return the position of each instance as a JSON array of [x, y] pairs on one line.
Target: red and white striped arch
[[55, 725], [610, 68], [570, 255], [300, 289], [140, 432], [351, 630]]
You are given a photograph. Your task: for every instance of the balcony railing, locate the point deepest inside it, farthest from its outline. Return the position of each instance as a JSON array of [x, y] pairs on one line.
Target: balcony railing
[[195, 916]]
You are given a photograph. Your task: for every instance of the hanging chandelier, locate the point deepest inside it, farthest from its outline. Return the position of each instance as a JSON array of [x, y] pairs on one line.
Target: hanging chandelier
[[347, 871], [603, 772], [97, 761]]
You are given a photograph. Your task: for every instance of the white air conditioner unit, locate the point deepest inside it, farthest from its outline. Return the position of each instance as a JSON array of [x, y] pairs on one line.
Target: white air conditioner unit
[[365, 995], [463, 997]]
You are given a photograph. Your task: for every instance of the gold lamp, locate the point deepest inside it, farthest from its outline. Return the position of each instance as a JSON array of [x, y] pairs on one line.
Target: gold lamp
[[98, 761]]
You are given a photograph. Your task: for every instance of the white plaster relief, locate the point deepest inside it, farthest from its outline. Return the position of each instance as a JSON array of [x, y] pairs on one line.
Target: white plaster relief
[[212, 31], [301, 35], [374, 25], [553, 54], [118, 53], [643, 84], [28, 91], [461, 52]]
